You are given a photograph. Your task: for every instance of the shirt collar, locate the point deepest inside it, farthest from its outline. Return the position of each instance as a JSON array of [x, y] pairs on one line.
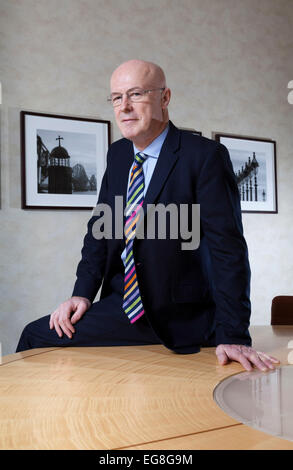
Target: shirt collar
[[153, 150]]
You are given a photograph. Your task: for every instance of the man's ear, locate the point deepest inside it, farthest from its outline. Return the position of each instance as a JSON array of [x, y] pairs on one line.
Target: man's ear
[[166, 96]]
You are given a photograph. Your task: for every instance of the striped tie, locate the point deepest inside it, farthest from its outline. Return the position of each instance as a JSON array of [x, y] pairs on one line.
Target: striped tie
[[132, 303]]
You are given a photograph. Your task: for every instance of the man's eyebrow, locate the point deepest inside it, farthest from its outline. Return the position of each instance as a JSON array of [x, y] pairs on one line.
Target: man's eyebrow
[[130, 89]]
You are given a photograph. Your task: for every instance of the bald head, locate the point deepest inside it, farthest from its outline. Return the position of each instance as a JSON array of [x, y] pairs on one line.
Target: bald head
[[147, 71], [141, 120]]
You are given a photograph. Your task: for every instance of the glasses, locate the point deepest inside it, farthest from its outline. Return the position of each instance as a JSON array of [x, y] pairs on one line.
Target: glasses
[[135, 95]]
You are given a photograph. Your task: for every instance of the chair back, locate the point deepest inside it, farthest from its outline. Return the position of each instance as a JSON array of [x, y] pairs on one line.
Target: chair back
[[282, 310]]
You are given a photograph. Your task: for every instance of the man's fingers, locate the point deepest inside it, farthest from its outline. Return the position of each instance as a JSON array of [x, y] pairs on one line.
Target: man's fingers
[[260, 360], [66, 327], [65, 322], [235, 354], [61, 322], [244, 361], [246, 356], [62, 326], [222, 356], [57, 328], [267, 356], [51, 322], [256, 360], [81, 309], [60, 318], [269, 361]]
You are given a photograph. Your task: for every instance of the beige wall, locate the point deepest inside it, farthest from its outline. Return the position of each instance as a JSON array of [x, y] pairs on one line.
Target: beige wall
[[228, 63]]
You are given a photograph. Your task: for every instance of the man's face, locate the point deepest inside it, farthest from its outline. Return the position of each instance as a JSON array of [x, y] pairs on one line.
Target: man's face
[[140, 122]]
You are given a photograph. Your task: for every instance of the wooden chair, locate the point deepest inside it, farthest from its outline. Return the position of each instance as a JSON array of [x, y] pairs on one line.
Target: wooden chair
[[282, 310]]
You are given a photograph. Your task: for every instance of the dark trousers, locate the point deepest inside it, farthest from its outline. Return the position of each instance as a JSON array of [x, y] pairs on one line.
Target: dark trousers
[[104, 324]]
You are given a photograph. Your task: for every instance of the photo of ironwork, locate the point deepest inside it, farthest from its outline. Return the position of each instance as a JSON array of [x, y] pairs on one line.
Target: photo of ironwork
[[250, 172], [66, 162], [254, 165]]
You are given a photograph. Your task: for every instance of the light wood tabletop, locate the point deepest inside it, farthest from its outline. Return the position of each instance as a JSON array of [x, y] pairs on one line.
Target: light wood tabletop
[[130, 397]]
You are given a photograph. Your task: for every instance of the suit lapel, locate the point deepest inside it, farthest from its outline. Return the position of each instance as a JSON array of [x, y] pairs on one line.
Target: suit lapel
[[127, 157], [121, 181], [166, 161]]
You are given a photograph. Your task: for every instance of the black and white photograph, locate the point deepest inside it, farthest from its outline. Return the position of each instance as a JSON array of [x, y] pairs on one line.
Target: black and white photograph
[[254, 165], [63, 160]]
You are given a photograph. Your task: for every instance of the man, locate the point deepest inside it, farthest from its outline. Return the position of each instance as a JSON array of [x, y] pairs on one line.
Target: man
[[153, 290]]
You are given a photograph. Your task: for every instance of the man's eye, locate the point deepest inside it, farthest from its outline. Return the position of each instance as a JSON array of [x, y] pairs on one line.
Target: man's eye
[[116, 98], [135, 93]]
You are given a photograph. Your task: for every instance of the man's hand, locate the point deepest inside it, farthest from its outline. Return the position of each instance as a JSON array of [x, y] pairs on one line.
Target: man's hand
[[246, 355], [61, 318]]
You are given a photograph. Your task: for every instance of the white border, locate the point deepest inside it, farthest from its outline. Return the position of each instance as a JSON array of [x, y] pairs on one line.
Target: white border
[[268, 149], [31, 124]]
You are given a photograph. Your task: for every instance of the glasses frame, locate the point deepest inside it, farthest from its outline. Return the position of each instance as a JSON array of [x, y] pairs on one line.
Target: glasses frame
[[110, 100]]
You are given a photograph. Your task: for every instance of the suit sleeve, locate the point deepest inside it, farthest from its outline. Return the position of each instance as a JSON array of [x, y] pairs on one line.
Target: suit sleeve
[[90, 270], [221, 223]]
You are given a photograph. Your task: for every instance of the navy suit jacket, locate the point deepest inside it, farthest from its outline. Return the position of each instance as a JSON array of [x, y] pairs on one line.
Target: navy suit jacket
[[191, 298]]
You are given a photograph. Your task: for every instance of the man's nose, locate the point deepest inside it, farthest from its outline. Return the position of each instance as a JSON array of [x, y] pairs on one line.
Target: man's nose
[[125, 103]]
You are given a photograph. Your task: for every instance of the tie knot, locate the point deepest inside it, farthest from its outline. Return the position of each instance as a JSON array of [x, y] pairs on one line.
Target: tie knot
[[140, 158]]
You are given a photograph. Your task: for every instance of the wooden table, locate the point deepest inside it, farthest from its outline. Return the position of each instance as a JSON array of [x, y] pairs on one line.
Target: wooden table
[[126, 398]]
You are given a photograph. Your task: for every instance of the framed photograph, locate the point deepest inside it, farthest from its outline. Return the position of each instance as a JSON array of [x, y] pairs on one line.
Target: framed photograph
[[63, 160], [254, 164]]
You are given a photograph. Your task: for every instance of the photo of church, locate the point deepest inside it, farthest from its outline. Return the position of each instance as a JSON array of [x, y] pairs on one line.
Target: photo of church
[[67, 167]]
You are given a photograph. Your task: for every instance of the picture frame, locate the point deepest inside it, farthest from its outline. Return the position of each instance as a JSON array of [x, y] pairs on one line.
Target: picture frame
[[62, 176], [254, 165]]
